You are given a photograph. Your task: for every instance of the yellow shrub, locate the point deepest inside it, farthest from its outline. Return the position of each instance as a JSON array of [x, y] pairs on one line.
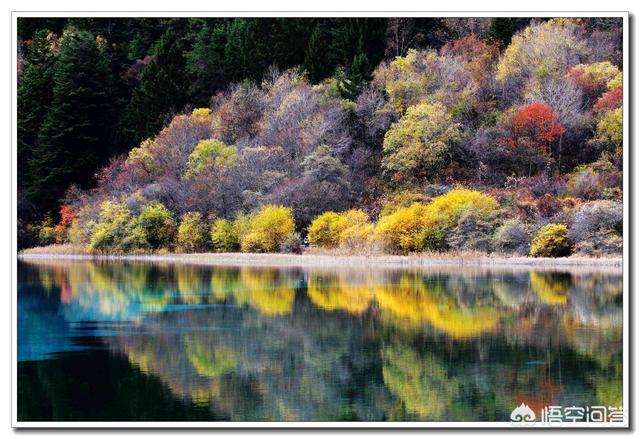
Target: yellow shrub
[[268, 229], [323, 230], [354, 224], [449, 207], [551, 241], [191, 233], [327, 229], [224, 236], [113, 227], [404, 230], [203, 113], [357, 236], [210, 152], [242, 225]]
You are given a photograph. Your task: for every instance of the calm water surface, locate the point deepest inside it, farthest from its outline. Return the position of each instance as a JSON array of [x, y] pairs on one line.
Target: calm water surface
[[105, 341]]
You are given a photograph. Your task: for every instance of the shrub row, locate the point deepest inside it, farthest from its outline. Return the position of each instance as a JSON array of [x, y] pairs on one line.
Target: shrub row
[[117, 229], [460, 219], [463, 219]]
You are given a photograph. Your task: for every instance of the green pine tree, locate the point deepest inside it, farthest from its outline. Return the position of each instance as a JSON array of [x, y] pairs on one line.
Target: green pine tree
[[315, 60], [205, 63], [248, 50], [74, 137], [162, 92], [360, 72], [34, 96]]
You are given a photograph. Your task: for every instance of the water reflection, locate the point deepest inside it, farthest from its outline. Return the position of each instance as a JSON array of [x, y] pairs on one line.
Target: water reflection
[[311, 345]]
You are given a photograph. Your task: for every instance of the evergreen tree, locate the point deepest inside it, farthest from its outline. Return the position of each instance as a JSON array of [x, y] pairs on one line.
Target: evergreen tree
[[360, 70], [205, 63], [315, 60], [74, 138], [352, 36], [350, 84], [34, 97], [248, 51], [161, 93]]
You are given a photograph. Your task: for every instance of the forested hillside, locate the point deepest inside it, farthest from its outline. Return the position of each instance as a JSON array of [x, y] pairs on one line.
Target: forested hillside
[[366, 134]]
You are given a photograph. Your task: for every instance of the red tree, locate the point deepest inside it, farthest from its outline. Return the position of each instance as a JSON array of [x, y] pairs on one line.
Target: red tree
[[609, 101], [532, 130], [67, 215], [534, 125]]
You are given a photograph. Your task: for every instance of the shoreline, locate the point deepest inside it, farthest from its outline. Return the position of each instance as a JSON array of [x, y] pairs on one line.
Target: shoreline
[[328, 260]]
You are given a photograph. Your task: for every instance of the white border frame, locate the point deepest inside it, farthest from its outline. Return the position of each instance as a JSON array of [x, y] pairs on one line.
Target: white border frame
[[352, 424]]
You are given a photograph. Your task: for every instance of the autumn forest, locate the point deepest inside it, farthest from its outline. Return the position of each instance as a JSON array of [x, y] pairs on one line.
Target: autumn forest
[[345, 135]]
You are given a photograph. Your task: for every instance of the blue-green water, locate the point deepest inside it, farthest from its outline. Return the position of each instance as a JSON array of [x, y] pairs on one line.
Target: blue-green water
[[105, 341]]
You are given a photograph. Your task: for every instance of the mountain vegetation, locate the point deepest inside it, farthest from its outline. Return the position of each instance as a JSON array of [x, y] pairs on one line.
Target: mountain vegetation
[[395, 135]]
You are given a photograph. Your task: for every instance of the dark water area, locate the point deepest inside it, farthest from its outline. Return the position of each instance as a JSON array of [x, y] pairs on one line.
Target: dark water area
[[123, 341]]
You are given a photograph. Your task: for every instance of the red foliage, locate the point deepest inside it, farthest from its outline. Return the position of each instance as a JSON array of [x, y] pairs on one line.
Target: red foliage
[[609, 101], [113, 177], [534, 125], [469, 48], [585, 81], [67, 215]]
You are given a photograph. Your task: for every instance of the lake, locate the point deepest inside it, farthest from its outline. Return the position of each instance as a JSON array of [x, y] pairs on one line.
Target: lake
[[141, 341]]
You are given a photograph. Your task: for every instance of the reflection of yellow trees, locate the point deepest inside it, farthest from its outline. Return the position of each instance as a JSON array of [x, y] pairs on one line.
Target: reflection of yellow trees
[[333, 293], [190, 284], [552, 289], [117, 290], [421, 383], [267, 290], [411, 301], [200, 395], [440, 311], [208, 360], [224, 281]]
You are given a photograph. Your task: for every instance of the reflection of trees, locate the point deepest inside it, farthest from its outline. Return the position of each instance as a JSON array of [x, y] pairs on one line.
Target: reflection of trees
[[359, 344], [267, 290], [333, 293], [416, 302], [551, 288], [408, 299], [210, 363], [536, 388], [127, 291], [422, 383], [608, 385], [298, 367]]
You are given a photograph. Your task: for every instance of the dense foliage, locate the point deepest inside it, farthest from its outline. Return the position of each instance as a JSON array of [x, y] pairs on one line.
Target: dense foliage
[[396, 135]]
